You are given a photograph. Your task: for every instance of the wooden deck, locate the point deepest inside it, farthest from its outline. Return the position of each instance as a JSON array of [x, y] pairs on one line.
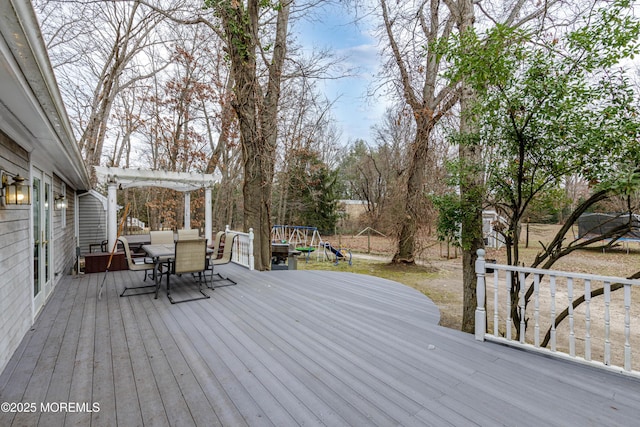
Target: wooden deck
[[287, 348]]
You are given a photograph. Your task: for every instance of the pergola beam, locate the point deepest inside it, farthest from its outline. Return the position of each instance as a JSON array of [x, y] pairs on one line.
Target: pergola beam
[[179, 181]]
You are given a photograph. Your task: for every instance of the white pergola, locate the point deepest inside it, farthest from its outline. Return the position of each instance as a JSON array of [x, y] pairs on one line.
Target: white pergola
[[120, 178]]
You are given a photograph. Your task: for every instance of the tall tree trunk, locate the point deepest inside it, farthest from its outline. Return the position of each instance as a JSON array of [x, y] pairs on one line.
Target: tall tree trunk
[[257, 111], [471, 236], [258, 183], [428, 107], [471, 181], [414, 199]]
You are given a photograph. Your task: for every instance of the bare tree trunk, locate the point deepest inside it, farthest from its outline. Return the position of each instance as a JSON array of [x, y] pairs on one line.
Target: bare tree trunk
[[129, 40], [471, 236], [257, 112], [427, 105], [414, 195], [471, 181]]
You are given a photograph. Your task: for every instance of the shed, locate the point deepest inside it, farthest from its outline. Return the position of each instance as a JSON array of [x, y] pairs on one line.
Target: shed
[[492, 223]]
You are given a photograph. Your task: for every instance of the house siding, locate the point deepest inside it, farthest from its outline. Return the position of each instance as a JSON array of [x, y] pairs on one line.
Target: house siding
[[36, 141], [64, 234], [93, 220], [15, 258]]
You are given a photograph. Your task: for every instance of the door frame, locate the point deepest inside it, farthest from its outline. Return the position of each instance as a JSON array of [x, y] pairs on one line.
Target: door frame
[[45, 262]]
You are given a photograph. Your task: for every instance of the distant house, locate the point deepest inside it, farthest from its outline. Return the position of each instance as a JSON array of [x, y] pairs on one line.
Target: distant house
[[352, 209], [37, 240]]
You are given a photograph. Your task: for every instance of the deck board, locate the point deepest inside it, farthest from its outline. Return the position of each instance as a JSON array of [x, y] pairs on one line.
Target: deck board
[[81, 383], [147, 394], [288, 348], [59, 388]]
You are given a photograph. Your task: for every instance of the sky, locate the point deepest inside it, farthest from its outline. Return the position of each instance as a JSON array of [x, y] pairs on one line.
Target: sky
[[334, 28]]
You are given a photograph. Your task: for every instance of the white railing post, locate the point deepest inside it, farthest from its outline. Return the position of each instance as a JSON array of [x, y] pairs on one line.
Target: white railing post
[[251, 256], [552, 290], [481, 314], [607, 323], [521, 307], [508, 283], [587, 320], [187, 211], [536, 312], [112, 213], [496, 303], [627, 328], [208, 219], [572, 331]]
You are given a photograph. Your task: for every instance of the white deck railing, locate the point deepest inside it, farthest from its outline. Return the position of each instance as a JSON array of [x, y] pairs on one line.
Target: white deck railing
[[242, 252], [597, 332]]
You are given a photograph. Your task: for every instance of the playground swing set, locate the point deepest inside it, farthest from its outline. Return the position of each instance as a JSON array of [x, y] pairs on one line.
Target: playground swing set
[[308, 240]]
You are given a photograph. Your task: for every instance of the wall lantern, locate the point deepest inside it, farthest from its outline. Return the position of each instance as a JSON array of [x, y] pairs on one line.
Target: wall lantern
[[60, 202], [16, 193]]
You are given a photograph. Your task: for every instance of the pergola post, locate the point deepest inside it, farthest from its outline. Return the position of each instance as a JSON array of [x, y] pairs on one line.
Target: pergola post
[[208, 226], [187, 210], [112, 213]]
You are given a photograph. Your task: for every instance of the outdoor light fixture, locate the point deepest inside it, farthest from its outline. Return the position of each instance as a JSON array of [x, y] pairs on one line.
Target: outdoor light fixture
[[16, 193], [60, 202]]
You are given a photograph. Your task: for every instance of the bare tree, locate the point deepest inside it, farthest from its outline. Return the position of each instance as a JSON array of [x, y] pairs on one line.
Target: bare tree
[[253, 37], [95, 54], [413, 33], [256, 105]]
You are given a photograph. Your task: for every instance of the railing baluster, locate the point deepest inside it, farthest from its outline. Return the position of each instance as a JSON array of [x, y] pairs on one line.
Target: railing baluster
[[523, 325], [627, 327], [250, 249], [587, 319], [607, 323], [496, 319], [572, 332], [536, 312], [480, 314], [552, 286], [508, 305]]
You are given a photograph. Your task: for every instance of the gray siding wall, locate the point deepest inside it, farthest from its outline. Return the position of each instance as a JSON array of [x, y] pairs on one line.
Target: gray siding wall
[[64, 235], [93, 221], [15, 258]]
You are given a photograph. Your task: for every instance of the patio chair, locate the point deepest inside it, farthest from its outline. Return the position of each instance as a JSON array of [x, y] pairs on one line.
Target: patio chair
[[215, 253], [225, 259], [188, 234], [190, 257], [161, 237], [137, 264]]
